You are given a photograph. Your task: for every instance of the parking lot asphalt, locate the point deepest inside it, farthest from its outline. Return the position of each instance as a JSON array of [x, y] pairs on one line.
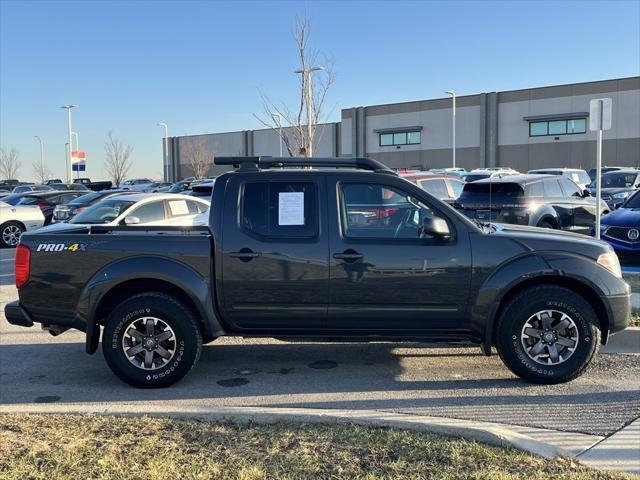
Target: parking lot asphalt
[[404, 378], [6, 266]]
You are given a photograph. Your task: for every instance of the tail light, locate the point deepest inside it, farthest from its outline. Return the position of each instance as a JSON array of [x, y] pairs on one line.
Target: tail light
[[22, 268]]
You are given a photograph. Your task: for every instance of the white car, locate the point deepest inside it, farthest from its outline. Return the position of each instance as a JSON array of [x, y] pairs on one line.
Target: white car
[[580, 177], [136, 184], [145, 209], [15, 220]]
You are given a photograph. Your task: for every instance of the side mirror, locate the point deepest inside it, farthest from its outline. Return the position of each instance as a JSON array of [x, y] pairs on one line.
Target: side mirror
[[131, 220], [435, 227], [617, 205], [586, 193]]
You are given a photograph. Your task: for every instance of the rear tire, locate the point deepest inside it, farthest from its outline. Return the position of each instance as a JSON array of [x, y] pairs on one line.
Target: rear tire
[[151, 340], [547, 334], [10, 233]]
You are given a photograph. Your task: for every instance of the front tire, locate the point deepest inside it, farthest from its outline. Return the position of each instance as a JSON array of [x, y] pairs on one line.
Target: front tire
[[547, 334], [10, 233], [151, 340]]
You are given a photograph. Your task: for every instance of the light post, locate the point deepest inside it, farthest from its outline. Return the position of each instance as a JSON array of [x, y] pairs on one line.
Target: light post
[[41, 155], [68, 108], [453, 121], [279, 129], [77, 137], [165, 153], [306, 79]]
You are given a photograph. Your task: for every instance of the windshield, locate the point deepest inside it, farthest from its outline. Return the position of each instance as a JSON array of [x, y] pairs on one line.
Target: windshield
[[616, 180], [102, 212], [498, 189], [634, 201]]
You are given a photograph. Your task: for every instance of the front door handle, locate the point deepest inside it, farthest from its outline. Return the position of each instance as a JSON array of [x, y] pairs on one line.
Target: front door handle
[[245, 254], [348, 256]]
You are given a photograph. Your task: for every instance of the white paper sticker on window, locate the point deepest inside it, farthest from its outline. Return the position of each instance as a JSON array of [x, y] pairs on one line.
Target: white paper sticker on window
[[291, 208], [178, 207]]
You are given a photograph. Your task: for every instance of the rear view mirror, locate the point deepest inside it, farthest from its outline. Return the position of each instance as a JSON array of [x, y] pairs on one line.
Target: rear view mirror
[[131, 220], [435, 227]]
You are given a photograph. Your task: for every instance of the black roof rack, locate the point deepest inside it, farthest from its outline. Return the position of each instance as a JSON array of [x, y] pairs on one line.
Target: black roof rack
[[263, 162]]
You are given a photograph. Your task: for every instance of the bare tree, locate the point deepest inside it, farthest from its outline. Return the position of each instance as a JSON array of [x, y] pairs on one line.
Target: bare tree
[[9, 163], [40, 171], [198, 156], [299, 129], [116, 161]]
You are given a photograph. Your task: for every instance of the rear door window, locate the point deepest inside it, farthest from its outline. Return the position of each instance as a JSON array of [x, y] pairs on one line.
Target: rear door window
[[280, 209], [435, 187]]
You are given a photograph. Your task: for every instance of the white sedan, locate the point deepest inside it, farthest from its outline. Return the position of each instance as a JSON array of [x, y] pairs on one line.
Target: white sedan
[[148, 209], [15, 220]]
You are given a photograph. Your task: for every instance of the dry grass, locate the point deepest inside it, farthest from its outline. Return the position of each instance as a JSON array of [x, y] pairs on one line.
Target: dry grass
[[74, 447]]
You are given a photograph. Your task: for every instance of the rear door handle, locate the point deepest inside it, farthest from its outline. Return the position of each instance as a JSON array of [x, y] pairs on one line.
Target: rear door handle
[[348, 256], [245, 254]]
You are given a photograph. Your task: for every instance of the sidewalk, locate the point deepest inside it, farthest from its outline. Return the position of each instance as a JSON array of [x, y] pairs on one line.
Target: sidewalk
[[619, 452]]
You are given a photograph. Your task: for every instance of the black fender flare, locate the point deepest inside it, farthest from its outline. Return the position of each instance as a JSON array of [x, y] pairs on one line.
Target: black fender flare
[[534, 267], [194, 285]]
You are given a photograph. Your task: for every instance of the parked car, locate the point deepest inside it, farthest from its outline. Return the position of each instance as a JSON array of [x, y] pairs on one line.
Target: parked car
[[482, 173], [65, 212], [15, 220], [457, 171], [443, 187], [580, 177], [621, 228], [141, 209], [47, 201], [157, 187], [135, 184], [180, 187], [593, 171], [202, 189], [546, 201], [30, 188], [291, 263], [617, 186], [52, 180], [95, 186], [68, 186], [9, 184]]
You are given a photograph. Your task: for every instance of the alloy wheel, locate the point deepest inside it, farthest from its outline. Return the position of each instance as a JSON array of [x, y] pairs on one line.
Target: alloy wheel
[[549, 337], [149, 343]]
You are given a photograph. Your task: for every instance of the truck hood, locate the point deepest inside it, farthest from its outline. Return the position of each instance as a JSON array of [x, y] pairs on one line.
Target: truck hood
[[623, 217], [535, 238]]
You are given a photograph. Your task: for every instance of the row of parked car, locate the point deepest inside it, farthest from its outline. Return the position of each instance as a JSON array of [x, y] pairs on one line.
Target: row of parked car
[[129, 204]]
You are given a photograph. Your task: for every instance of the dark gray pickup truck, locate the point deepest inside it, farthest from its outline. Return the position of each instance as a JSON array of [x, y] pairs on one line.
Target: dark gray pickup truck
[[337, 249]]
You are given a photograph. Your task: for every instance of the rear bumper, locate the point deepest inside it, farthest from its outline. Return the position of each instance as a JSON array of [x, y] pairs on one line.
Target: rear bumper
[[17, 315]]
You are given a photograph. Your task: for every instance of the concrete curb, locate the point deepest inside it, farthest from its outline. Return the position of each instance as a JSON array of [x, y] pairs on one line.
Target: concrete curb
[[490, 433], [626, 341]]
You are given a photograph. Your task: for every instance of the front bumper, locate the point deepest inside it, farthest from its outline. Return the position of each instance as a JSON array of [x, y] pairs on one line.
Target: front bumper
[[619, 310], [17, 315]]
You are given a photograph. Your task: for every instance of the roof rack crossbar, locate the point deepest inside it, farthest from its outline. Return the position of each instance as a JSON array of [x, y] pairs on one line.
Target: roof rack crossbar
[[255, 163]]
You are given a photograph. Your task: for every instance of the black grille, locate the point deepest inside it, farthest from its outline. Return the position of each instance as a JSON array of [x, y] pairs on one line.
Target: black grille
[[621, 233]]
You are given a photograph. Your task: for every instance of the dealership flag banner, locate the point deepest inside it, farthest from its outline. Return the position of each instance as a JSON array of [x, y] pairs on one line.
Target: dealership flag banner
[[78, 161]]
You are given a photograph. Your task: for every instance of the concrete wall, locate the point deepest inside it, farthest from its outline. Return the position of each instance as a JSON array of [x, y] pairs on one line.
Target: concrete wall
[[491, 130]]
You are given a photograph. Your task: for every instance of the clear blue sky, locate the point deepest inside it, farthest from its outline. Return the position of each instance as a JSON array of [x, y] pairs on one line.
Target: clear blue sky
[[199, 65]]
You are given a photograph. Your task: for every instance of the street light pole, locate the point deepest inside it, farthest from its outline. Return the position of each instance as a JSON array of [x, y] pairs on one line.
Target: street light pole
[[306, 78], [165, 153], [41, 155], [68, 108], [453, 120], [279, 130]]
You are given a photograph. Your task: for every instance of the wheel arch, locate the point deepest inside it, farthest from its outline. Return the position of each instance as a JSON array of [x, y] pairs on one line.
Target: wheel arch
[[121, 280], [587, 292]]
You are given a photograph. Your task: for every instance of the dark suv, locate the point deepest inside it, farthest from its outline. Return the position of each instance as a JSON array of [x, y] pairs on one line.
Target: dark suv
[[617, 186], [547, 201]]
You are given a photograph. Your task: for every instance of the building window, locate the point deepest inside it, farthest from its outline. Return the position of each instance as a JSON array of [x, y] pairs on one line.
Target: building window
[[558, 127], [400, 138]]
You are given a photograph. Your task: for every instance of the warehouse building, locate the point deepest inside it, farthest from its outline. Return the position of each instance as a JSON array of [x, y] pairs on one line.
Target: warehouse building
[[521, 129]]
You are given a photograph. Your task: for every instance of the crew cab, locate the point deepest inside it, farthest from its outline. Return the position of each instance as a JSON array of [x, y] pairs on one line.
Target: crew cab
[[322, 249]]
